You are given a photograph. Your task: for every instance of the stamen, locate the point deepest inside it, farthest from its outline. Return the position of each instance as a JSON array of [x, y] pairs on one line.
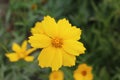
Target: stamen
[[57, 42]]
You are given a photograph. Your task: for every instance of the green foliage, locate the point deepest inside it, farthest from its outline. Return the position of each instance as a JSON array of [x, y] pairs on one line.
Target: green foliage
[[98, 19]]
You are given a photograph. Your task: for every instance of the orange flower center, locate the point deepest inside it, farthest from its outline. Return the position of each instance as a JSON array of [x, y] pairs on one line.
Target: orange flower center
[[22, 54], [84, 73], [57, 42]]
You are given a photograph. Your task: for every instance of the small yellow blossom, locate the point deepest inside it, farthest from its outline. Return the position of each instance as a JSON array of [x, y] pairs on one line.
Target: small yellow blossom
[[34, 6], [59, 41], [20, 52], [56, 75], [83, 72]]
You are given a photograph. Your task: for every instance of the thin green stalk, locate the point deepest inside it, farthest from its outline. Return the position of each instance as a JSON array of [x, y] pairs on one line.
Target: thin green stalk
[[2, 46]]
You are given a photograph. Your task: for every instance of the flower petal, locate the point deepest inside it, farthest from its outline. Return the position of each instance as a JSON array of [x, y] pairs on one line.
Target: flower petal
[[89, 76], [57, 60], [68, 59], [50, 57], [66, 31], [46, 56], [50, 27], [73, 47], [38, 29], [75, 33], [30, 50], [78, 76], [13, 57], [29, 58], [39, 41], [63, 23], [24, 45], [16, 47], [64, 28]]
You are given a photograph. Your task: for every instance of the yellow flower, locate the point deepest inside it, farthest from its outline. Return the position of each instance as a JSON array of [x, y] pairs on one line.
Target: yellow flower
[[83, 72], [20, 53], [56, 75], [59, 41]]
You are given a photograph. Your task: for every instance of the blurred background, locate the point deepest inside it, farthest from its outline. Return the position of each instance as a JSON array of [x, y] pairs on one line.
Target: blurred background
[[98, 19]]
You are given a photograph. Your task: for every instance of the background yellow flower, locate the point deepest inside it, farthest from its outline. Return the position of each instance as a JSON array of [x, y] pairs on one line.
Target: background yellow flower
[[34, 6], [20, 53], [59, 42], [56, 75], [83, 72]]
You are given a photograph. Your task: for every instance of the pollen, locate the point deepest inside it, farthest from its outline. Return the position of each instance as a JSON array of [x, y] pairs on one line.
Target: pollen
[[57, 42]]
